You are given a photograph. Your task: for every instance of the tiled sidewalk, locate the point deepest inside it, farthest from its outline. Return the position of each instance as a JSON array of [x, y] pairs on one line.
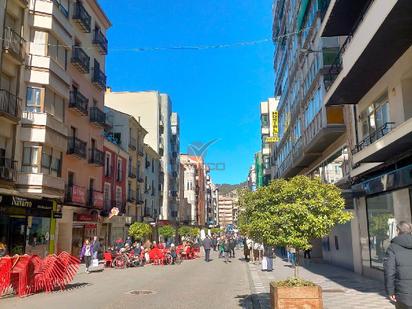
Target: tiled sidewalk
[[342, 289]]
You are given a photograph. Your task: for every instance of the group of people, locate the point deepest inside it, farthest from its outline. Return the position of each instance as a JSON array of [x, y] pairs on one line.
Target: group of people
[[224, 244]]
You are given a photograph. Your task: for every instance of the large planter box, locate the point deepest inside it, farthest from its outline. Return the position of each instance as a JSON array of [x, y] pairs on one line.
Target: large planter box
[[309, 297]]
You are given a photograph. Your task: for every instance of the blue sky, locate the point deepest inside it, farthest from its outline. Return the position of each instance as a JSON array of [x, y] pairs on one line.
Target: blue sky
[[216, 91]]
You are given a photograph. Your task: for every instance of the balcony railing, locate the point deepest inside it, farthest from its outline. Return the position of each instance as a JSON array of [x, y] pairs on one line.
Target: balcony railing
[[96, 157], [336, 67], [78, 102], [139, 201], [61, 8], [75, 195], [95, 199], [81, 16], [140, 151], [14, 44], [374, 136], [9, 103], [97, 116], [100, 41], [76, 147], [7, 169], [132, 143], [131, 196], [132, 172], [80, 59], [99, 78], [140, 179]]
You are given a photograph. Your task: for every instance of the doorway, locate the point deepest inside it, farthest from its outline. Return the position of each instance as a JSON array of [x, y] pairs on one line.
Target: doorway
[[13, 233]]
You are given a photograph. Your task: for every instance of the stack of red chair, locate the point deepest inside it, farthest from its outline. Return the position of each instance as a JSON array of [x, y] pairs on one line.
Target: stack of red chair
[[30, 274]]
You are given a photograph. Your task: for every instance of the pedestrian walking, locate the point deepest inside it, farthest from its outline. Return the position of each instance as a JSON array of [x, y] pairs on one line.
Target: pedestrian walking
[[267, 259], [96, 247], [207, 245], [292, 255], [246, 250], [232, 245], [226, 247], [214, 243], [398, 267], [256, 247], [221, 243], [87, 254]]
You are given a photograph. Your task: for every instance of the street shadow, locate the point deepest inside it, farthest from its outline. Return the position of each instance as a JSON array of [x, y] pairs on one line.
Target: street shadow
[[345, 278], [254, 301]]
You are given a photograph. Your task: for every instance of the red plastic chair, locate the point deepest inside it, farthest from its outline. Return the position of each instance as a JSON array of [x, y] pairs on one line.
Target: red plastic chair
[[5, 273], [108, 259], [19, 275]]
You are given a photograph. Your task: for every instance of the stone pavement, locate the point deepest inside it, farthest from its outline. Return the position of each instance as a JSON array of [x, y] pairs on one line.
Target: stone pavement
[[342, 289]]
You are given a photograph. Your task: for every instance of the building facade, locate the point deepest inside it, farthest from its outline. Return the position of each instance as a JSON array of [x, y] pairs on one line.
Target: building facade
[[226, 210], [152, 185], [114, 191], [374, 88], [174, 164], [154, 111]]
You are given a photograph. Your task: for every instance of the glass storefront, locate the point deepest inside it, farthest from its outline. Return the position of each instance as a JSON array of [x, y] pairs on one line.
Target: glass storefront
[[381, 226]]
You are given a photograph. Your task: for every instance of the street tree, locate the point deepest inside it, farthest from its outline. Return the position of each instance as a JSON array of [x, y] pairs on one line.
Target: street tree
[[166, 231], [292, 212], [140, 230]]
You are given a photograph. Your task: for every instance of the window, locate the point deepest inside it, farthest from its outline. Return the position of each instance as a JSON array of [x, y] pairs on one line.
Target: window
[[265, 120], [107, 165], [381, 226], [57, 52], [34, 99], [119, 169], [153, 166], [30, 159], [336, 243], [54, 105], [107, 195], [375, 116], [118, 196]]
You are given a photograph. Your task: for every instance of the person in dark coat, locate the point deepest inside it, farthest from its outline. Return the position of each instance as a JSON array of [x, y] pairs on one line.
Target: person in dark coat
[[96, 247], [232, 245], [398, 267], [207, 245]]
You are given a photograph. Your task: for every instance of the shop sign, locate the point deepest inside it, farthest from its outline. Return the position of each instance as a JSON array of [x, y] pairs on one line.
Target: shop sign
[[16, 201], [98, 199], [57, 215], [86, 217], [78, 195]]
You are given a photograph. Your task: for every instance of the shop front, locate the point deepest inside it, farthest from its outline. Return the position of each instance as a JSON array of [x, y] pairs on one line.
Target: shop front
[[28, 225], [381, 203], [85, 226]]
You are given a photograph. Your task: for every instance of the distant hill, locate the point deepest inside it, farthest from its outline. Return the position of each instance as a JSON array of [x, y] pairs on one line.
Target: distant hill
[[226, 188]]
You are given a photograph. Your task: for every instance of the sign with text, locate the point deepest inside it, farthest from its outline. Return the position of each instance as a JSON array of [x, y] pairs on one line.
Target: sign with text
[[78, 195], [98, 199]]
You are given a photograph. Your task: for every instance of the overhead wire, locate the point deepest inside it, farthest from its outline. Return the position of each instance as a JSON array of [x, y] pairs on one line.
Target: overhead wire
[[177, 47]]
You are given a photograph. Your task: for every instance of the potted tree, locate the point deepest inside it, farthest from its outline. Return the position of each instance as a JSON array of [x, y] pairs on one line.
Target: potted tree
[[292, 213], [166, 231]]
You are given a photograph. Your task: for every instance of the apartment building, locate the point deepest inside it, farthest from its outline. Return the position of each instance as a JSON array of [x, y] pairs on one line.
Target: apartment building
[[65, 79], [129, 134], [251, 179], [374, 85], [114, 181], [268, 135], [195, 185], [154, 110], [187, 195], [226, 210], [311, 135], [152, 185], [213, 204]]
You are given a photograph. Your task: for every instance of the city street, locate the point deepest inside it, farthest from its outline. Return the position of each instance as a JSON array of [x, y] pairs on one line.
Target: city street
[[193, 284]]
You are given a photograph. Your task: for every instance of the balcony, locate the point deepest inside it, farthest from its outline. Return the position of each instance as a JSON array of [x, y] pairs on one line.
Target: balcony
[[132, 172], [131, 196], [95, 199], [140, 179], [79, 102], [139, 201], [80, 60], [96, 157], [100, 41], [14, 45], [7, 169], [358, 66], [82, 18], [75, 195], [76, 147], [97, 117], [132, 143], [99, 78], [40, 183], [140, 152], [384, 143], [9, 105]]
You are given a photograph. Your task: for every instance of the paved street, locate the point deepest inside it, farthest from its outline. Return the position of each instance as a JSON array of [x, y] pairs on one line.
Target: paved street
[[193, 284], [341, 288]]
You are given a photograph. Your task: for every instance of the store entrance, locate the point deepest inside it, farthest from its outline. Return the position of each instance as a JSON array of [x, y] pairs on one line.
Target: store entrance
[[13, 233]]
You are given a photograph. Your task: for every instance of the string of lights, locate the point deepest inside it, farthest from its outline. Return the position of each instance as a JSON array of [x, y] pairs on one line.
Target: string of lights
[[178, 47]]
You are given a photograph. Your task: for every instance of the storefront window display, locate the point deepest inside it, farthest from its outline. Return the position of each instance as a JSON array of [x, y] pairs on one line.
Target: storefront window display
[[38, 236], [381, 226]]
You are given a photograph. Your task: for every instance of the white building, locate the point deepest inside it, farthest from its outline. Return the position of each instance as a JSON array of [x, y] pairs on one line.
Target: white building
[[154, 111]]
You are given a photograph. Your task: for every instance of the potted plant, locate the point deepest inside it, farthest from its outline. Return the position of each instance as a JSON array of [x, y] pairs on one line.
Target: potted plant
[[292, 213], [166, 231]]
